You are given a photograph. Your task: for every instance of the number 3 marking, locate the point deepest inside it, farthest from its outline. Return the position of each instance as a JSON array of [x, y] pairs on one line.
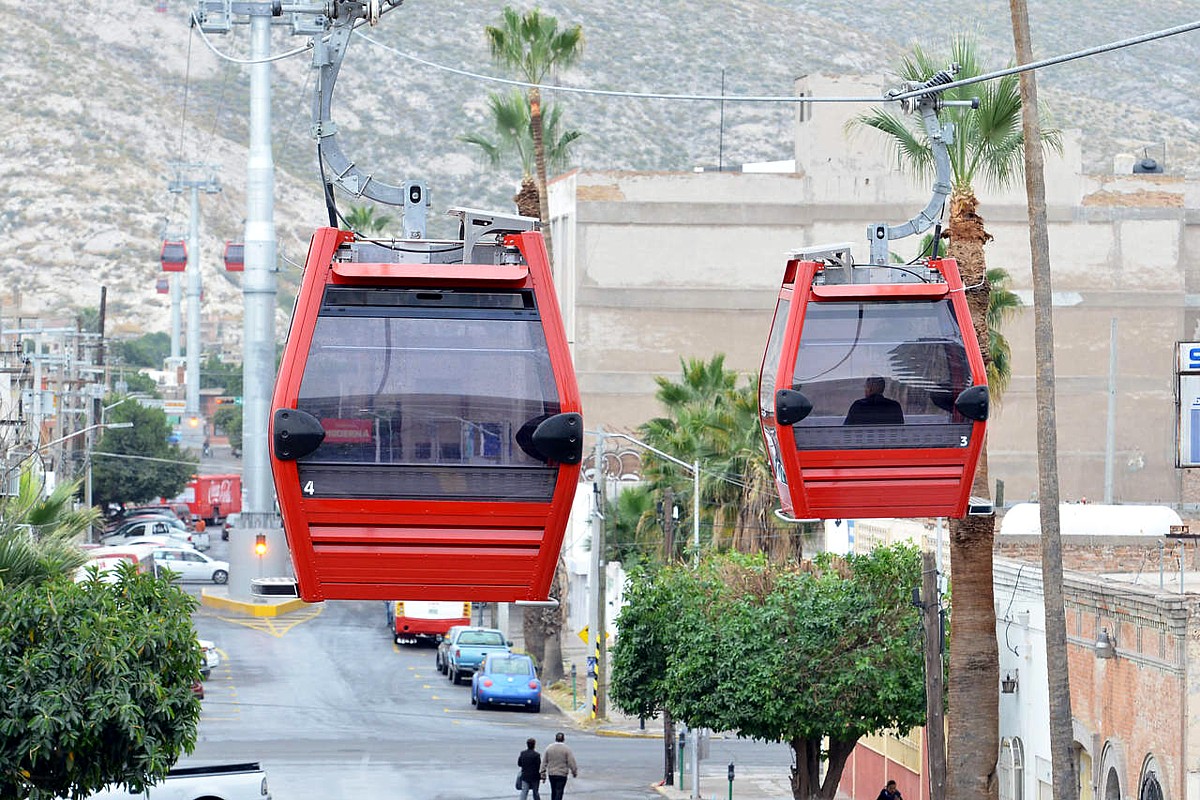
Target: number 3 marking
[[962, 442]]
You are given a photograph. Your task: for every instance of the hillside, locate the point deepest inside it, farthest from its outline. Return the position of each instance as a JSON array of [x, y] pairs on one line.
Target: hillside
[[103, 98]]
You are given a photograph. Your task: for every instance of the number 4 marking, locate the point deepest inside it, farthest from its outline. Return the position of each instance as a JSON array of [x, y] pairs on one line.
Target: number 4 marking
[[308, 487]]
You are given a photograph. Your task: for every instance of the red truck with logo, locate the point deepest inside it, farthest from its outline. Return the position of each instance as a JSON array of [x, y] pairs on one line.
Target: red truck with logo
[[213, 497]]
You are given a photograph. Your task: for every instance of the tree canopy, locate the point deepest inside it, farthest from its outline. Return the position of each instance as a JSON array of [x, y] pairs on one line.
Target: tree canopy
[[39, 532], [138, 464], [95, 684], [797, 653]]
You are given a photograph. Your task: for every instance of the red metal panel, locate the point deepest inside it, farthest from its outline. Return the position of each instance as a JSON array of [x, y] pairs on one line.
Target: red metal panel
[[365, 548], [847, 484]]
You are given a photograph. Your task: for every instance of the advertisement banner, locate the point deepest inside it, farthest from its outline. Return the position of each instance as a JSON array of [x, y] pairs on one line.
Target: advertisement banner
[[348, 431], [1187, 404]]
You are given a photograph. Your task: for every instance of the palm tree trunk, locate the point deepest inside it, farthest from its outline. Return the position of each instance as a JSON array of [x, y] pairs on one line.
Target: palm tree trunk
[[973, 714], [1062, 761], [527, 200], [539, 154]]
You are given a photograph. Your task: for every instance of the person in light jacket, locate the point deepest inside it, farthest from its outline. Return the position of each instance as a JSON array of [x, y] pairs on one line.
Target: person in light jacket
[[557, 762]]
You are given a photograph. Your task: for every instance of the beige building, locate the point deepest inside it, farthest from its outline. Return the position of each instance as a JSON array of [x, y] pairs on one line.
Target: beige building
[[658, 267]]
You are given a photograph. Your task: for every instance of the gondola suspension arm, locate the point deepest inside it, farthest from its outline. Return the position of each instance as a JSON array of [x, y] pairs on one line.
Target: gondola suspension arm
[[940, 137], [329, 51]]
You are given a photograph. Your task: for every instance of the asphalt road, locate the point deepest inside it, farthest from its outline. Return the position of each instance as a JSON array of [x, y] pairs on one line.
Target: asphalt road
[[333, 709]]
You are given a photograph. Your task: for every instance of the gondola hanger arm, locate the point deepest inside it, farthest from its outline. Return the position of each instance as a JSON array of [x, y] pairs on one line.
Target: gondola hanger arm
[[940, 137], [329, 50]]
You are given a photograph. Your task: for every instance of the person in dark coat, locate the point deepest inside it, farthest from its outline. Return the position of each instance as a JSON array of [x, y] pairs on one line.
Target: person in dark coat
[[889, 792], [530, 763], [873, 408]]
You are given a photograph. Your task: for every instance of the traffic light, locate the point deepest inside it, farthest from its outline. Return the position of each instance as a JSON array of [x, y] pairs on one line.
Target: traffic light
[[260, 544]]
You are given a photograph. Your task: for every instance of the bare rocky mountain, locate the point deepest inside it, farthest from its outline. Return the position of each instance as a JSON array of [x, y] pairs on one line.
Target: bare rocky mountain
[[103, 95]]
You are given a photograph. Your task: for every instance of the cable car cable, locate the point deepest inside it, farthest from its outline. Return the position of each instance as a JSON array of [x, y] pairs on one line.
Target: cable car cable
[[1098, 50]]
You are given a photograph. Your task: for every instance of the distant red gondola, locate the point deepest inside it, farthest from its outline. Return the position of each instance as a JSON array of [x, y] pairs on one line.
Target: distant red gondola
[[873, 396], [235, 258], [174, 256], [425, 428], [163, 285]]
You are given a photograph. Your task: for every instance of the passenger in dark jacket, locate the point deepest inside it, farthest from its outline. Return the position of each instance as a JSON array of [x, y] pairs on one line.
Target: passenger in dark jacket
[[531, 766]]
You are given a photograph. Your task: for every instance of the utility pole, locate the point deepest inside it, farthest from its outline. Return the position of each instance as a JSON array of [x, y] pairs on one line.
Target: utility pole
[[196, 178], [597, 674], [668, 525], [258, 286]]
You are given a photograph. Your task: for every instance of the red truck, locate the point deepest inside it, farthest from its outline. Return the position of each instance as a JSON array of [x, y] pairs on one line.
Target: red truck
[[213, 497]]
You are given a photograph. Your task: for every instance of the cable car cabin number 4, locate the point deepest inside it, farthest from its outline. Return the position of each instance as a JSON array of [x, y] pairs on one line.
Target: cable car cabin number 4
[[873, 396], [425, 426]]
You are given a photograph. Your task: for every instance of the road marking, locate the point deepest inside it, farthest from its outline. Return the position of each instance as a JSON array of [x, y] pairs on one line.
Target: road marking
[[275, 626]]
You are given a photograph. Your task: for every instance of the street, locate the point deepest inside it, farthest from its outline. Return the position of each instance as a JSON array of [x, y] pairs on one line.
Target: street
[[332, 708]]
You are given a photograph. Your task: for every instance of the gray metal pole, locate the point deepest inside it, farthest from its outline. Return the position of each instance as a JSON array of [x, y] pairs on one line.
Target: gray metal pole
[[258, 329], [176, 316], [696, 512], [596, 565], [191, 431], [1110, 441]]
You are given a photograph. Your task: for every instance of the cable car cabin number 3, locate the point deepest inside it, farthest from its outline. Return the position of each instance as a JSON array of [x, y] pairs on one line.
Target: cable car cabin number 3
[[873, 396], [425, 427]]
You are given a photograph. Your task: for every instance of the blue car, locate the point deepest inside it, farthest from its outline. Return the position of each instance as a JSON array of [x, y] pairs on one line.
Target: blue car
[[507, 679]]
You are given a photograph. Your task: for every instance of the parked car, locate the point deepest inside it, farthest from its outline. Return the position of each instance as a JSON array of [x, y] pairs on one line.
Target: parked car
[[198, 689], [191, 565], [173, 529], [468, 648], [211, 657], [508, 679], [440, 657], [231, 522]]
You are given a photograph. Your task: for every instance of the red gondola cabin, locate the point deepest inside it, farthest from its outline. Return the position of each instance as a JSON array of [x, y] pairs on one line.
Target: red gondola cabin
[[235, 257], [425, 428], [163, 285], [873, 396], [174, 256]]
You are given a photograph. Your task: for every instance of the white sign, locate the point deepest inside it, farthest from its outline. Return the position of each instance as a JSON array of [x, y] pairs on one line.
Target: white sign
[[1187, 408]]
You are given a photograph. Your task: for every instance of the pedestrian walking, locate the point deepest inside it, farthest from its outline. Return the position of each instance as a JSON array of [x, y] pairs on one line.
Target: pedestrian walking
[[530, 762], [557, 763]]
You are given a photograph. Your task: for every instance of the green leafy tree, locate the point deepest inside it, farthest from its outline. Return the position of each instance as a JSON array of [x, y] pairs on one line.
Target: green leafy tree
[[988, 147], [141, 383], [228, 419], [216, 374], [816, 654], [138, 464], [514, 140], [366, 221], [95, 684], [147, 350], [532, 45], [39, 533]]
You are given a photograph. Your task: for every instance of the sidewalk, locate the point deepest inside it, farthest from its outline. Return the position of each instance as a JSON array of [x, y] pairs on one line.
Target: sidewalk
[[749, 783]]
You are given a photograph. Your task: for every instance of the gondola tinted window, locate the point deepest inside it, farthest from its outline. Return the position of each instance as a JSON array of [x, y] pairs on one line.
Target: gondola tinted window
[[881, 374], [436, 390]]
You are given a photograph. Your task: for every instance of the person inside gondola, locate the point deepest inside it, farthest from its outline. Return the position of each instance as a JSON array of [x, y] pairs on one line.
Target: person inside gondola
[[873, 408]]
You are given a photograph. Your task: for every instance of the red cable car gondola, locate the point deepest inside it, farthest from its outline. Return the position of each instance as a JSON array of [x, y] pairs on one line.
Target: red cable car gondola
[[174, 256], [425, 427], [873, 396], [235, 258], [163, 285]]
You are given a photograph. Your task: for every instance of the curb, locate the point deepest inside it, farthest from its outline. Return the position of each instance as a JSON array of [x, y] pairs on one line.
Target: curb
[[252, 609]]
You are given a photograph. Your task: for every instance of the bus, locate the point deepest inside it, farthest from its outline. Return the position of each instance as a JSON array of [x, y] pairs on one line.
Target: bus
[[413, 620]]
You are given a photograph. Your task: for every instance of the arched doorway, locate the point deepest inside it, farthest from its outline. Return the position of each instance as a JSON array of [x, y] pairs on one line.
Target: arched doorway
[[1150, 787]]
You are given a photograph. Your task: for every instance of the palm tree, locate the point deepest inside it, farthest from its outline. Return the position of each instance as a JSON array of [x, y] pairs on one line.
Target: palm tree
[[988, 147], [514, 139], [40, 535], [532, 45], [1002, 304], [712, 421], [363, 220]]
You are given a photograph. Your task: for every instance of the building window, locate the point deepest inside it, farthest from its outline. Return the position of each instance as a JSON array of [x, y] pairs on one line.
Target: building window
[[1150, 788], [1112, 785], [1012, 769]]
